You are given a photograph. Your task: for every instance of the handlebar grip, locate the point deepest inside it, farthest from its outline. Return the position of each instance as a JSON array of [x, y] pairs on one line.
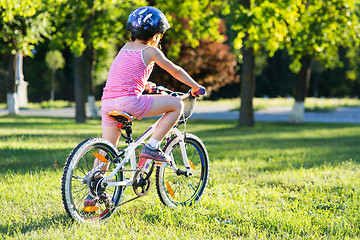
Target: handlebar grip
[[199, 92]]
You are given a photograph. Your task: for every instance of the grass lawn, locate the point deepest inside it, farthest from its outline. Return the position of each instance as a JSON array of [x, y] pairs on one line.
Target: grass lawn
[[273, 181]]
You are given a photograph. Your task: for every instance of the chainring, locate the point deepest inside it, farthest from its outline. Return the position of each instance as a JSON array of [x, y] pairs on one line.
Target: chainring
[[140, 185]]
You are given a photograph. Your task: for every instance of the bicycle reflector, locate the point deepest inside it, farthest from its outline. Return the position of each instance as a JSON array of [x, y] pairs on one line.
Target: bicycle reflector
[[170, 190], [91, 208], [100, 157], [191, 165]]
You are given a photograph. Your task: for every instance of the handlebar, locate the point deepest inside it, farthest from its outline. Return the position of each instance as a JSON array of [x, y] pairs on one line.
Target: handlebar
[[187, 98], [182, 95]]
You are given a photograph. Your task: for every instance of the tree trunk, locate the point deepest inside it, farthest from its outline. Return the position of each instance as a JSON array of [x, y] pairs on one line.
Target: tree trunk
[[297, 113], [11, 96], [247, 89], [90, 57], [52, 92], [247, 80], [21, 85], [80, 115]]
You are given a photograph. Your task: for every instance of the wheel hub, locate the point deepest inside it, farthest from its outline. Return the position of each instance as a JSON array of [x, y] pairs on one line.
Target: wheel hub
[[94, 185]]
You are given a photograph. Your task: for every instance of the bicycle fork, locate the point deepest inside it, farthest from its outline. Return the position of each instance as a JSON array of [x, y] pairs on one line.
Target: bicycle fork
[[181, 140]]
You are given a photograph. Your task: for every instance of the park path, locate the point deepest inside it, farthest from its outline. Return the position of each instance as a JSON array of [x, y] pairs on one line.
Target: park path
[[271, 114]]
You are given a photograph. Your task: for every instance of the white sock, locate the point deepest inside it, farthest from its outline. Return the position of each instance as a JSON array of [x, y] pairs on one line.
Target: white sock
[[154, 143]]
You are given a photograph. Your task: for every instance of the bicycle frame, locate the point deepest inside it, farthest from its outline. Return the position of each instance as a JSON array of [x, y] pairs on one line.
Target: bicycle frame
[[129, 155]]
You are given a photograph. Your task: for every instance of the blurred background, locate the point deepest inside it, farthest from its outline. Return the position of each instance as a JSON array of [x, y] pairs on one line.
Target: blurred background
[[62, 50]]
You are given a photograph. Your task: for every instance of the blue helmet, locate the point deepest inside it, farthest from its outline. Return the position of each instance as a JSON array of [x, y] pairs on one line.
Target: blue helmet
[[145, 22]]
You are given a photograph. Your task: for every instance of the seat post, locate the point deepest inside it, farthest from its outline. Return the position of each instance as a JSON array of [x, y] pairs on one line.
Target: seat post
[[128, 131]]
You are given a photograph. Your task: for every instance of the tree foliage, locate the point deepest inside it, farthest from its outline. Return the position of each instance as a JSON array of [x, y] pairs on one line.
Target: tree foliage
[[318, 28], [23, 24], [55, 60], [191, 21], [265, 22], [92, 22]]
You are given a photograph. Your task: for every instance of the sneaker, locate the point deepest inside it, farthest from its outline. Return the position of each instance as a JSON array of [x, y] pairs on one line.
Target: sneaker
[[154, 153]]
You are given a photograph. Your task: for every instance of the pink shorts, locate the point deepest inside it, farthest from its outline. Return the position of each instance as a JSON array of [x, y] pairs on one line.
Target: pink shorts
[[136, 106]]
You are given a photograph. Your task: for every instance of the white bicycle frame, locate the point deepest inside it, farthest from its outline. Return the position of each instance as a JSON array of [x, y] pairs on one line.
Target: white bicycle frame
[[129, 155]]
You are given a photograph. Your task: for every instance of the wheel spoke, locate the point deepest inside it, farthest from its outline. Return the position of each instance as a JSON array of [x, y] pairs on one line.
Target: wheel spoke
[[74, 191], [186, 189]]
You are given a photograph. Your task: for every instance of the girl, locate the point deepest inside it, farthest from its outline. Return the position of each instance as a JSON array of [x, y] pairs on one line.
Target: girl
[[128, 76], [127, 79]]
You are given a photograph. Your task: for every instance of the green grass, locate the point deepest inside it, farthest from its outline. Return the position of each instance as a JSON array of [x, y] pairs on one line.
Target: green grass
[[45, 105], [274, 181]]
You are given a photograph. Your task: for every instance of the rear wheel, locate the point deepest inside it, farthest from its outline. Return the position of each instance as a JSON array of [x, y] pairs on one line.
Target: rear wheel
[[176, 189], [79, 182]]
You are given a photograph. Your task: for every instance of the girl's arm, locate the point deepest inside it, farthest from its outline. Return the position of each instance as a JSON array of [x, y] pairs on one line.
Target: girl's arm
[[154, 54]]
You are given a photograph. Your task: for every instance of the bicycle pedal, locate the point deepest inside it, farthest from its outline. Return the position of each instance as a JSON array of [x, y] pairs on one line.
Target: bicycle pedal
[[161, 164]]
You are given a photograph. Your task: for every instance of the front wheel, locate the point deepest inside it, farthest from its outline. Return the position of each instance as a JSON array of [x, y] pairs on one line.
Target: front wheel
[[79, 181], [176, 189]]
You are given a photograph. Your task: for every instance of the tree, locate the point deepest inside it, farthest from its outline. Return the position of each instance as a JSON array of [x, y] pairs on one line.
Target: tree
[[317, 31], [260, 26], [54, 60], [24, 24], [88, 26]]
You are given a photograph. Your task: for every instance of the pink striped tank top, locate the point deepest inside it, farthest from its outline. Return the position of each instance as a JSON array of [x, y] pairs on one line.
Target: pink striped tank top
[[128, 74]]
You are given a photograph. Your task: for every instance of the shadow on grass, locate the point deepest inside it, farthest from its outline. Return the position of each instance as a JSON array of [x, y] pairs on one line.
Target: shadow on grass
[[35, 121], [282, 145], [24, 160], [55, 221]]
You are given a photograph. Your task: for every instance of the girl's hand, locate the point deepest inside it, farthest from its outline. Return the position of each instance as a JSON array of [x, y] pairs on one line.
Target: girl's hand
[[149, 87], [199, 91]]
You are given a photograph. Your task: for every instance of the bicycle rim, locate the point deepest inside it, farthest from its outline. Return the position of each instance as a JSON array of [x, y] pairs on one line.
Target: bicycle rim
[[76, 186], [179, 190]]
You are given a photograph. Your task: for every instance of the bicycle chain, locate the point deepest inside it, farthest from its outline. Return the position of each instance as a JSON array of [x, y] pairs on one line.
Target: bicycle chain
[[130, 200], [122, 170]]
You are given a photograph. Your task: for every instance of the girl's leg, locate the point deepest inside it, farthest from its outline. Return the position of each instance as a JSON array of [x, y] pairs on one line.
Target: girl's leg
[[172, 107], [112, 135]]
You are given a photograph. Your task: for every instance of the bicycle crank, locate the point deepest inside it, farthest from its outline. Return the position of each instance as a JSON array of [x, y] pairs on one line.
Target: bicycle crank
[[142, 183]]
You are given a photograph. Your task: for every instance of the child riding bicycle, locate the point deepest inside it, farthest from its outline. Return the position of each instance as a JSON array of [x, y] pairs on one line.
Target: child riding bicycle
[[128, 76]]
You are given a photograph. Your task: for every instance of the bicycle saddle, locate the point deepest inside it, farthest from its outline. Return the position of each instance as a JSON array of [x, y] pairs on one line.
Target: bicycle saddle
[[120, 116]]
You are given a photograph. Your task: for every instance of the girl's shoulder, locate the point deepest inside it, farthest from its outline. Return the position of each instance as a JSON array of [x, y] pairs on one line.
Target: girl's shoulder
[[150, 50], [135, 46], [151, 54]]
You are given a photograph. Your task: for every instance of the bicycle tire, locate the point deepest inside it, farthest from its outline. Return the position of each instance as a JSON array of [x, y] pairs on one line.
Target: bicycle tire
[[179, 190], [74, 190]]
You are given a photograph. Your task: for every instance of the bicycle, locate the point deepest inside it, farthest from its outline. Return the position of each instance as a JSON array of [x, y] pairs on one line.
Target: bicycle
[[179, 183]]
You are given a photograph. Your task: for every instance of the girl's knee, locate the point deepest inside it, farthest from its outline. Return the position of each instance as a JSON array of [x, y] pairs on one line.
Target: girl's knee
[[179, 105]]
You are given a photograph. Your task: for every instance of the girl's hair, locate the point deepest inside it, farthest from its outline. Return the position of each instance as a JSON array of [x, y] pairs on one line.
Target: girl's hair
[[145, 37]]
